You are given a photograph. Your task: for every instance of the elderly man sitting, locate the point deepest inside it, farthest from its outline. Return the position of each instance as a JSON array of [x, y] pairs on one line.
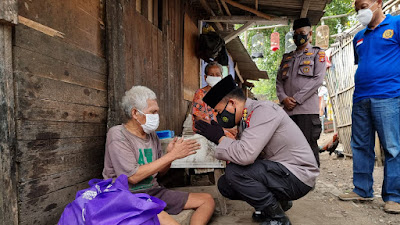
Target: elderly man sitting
[[134, 149]]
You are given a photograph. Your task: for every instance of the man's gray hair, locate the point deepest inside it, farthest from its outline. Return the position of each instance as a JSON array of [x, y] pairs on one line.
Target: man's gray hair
[[212, 64], [136, 98]]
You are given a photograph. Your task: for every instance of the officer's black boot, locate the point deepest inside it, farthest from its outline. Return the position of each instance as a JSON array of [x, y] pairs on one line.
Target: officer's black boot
[[286, 205], [259, 216], [275, 216]]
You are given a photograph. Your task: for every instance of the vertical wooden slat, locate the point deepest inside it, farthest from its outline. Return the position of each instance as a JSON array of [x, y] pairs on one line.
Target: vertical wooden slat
[[155, 12], [8, 174]]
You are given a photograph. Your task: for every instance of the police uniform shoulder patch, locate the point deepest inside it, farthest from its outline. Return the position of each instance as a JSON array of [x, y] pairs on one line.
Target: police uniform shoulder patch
[[321, 55], [388, 34]]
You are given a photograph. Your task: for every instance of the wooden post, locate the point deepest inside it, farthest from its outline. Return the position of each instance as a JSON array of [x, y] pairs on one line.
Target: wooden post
[[116, 59], [8, 173]]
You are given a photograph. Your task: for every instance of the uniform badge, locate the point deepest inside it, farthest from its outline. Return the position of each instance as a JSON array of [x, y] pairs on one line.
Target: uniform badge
[[285, 66], [388, 34], [289, 57], [306, 69], [309, 53], [321, 56], [306, 62], [284, 73]]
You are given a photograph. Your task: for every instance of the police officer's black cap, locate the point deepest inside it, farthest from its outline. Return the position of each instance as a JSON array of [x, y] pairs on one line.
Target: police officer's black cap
[[219, 91], [302, 22]]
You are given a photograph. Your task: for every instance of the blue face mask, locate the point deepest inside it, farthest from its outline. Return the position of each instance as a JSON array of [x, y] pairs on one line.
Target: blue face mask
[[226, 119]]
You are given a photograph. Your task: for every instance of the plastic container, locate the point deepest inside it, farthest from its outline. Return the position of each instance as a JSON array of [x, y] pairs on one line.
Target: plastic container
[[164, 134]]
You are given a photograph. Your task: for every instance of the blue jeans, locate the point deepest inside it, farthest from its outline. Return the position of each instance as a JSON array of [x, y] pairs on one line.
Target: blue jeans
[[382, 116]]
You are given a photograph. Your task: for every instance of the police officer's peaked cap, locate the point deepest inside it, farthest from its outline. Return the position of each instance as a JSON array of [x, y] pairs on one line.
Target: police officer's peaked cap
[[219, 91], [302, 22]]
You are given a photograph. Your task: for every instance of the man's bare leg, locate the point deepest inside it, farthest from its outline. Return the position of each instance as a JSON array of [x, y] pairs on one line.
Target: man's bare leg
[[166, 219], [203, 204]]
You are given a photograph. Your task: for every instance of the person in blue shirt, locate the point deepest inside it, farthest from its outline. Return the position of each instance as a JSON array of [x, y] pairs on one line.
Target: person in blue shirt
[[376, 103]]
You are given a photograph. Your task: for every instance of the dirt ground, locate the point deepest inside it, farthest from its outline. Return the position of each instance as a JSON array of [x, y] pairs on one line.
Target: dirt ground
[[321, 206]]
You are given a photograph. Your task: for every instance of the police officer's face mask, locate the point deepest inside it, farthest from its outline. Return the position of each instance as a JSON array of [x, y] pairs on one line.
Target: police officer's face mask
[[226, 119], [300, 39]]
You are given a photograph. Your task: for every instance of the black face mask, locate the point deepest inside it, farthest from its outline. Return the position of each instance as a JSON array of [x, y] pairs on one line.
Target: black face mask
[[300, 39], [226, 119]]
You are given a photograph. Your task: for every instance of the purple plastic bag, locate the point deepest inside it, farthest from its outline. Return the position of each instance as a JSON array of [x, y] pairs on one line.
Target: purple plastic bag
[[107, 203]]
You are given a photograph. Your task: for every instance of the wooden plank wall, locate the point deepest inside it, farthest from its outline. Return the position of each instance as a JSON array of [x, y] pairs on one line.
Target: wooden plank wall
[[191, 61], [61, 104], [8, 181], [142, 54]]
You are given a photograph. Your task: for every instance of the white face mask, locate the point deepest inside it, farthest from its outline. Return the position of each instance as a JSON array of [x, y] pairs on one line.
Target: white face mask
[[152, 122], [213, 80], [365, 15]]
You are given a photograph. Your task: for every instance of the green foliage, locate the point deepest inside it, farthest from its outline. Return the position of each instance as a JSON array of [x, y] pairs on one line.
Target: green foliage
[[266, 89]]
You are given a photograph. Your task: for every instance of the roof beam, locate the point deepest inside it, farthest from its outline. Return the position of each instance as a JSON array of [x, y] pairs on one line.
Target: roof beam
[[226, 8], [244, 19], [268, 27], [246, 8], [220, 12], [237, 32], [238, 73], [210, 11], [304, 10]]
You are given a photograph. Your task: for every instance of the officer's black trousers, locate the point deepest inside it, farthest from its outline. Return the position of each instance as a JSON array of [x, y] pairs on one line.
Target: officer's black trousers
[[261, 184], [310, 125]]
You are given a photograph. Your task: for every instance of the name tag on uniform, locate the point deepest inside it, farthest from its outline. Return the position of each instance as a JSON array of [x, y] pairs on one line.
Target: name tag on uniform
[[359, 42]]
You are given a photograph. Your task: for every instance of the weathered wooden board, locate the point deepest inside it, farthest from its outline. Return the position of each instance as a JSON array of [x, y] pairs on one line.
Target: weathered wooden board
[[50, 110], [8, 179], [80, 21], [48, 184], [31, 86], [56, 163], [35, 41], [47, 148], [49, 67], [37, 130], [191, 68], [48, 208]]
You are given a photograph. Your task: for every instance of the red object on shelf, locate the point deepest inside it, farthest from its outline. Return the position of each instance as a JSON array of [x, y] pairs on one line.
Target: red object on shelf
[[275, 41]]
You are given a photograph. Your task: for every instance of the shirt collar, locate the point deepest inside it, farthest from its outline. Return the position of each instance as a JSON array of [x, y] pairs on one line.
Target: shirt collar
[[386, 21]]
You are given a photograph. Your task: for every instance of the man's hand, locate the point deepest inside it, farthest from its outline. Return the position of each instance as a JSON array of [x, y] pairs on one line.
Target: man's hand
[[213, 132], [171, 144], [289, 103], [182, 148]]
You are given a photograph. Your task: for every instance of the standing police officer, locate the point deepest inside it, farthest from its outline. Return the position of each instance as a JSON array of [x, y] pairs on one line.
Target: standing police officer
[[271, 162], [300, 75]]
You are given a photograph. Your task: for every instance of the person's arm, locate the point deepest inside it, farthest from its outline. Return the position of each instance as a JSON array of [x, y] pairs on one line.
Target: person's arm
[[181, 149], [315, 82], [253, 140], [170, 146], [280, 92], [198, 111]]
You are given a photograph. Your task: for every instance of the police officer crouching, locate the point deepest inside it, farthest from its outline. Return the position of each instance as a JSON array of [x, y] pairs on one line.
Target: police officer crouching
[[271, 162]]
